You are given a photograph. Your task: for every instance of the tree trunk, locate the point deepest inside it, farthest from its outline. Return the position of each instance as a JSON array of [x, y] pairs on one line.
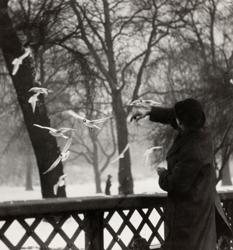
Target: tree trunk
[[29, 176], [226, 176], [44, 144], [124, 174], [93, 136]]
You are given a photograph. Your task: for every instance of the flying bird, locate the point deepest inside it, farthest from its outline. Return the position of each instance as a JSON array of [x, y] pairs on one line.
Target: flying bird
[[40, 90], [62, 157], [140, 102], [56, 132], [60, 183], [89, 123], [148, 152], [18, 61], [121, 155], [33, 100]]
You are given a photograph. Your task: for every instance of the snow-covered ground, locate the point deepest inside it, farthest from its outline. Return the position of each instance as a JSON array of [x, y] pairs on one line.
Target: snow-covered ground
[[148, 185]]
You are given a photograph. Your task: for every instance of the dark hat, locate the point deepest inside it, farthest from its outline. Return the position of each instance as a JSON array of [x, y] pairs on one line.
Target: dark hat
[[190, 113]]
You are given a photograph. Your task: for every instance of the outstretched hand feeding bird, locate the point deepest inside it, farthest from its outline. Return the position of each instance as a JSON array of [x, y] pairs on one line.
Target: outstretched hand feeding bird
[[56, 132], [88, 123], [122, 154], [62, 157], [18, 61]]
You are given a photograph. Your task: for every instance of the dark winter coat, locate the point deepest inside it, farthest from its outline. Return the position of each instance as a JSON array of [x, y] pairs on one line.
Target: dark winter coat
[[193, 203]]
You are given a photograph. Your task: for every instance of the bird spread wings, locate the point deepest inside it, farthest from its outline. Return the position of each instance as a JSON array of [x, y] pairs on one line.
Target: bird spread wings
[[63, 156], [71, 112], [39, 126], [140, 102], [121, 155]]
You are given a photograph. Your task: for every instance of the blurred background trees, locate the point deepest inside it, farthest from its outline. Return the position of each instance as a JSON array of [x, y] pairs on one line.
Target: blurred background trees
[[98, 56]]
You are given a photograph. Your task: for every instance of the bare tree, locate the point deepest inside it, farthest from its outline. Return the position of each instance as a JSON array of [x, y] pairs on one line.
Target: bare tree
[[44, 145]]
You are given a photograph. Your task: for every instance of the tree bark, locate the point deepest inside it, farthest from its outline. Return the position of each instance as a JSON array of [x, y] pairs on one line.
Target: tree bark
[[124, 173], [44, 144]]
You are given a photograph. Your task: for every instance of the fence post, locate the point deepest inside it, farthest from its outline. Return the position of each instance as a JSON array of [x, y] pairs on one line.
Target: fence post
[[94, 237]]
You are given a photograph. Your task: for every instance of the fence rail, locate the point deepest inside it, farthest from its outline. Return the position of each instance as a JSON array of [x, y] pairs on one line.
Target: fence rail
[[91, 223]]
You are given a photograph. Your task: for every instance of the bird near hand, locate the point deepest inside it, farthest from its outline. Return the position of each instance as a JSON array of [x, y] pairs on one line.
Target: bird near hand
[[18, 61], [62, 157], [88, 123], [122, 154], [56, 132]]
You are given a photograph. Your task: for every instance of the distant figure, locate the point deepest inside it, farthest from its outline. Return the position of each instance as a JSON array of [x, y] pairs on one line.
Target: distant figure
[[108, 185]]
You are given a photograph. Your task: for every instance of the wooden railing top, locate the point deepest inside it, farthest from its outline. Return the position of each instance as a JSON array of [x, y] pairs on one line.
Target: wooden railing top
[[31, 208]]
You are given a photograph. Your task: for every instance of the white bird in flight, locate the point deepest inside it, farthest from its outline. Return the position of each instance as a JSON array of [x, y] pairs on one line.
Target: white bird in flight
[[140, 102], [62, 157], [33, 100], [88, 123], [60, 183], [149, 151], [122, 154], [40, 90], [18, 61], [56, 132]]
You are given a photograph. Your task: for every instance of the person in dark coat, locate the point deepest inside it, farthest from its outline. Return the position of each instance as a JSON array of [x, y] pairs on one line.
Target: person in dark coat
[[108, 185], [193, 213]]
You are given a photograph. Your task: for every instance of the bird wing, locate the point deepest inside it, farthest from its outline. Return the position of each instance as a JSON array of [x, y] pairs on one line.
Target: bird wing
[[71, 112], [53, 165], [102, 119], [28, 51], [67, 145], [135, 102], [121, 155], [151, 102], [62, 177], [125, 149], [55, 188], [39, 126], [16, 64], [63, 130], [65, 155]]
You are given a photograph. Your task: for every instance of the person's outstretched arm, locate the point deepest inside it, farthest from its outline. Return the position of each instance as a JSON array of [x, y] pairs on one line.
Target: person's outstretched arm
[[156, 114]]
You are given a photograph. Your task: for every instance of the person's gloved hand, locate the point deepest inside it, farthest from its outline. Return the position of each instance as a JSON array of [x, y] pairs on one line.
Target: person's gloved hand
[[140, 112]]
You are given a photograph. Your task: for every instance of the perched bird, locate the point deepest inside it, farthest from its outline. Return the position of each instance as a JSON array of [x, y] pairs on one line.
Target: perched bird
[[148, 152], [141, 102], [60, 183], [121, 155], [88, 123], [33, 100], [56, 132], [62, 157], [40, 90], [18, 61]]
